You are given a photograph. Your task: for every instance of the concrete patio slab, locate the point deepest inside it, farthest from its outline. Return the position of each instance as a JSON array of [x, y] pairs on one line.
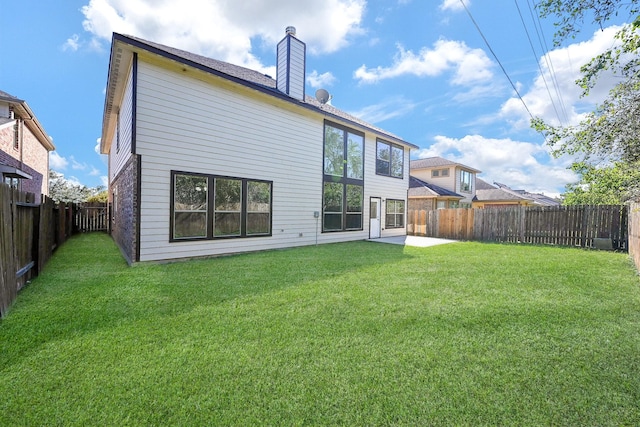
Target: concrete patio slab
[[413, 241]]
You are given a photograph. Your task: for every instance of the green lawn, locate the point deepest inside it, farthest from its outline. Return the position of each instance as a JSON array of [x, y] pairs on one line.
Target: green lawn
[[347, 334]]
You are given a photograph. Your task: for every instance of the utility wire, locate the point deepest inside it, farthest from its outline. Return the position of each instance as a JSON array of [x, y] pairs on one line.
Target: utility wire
[[496, 58], [543, 45], [535, 55]]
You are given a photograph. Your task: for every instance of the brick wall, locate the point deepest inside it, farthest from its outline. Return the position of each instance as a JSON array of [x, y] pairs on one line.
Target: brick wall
[[123, 198], [34, 157]]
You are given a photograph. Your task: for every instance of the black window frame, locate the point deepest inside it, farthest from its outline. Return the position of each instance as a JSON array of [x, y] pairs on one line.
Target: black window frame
[[211, 212], [345, 181], [394, 224], [379, 170]]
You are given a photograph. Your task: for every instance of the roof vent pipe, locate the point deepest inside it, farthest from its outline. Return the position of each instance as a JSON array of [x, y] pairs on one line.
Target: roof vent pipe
[[290, 31]]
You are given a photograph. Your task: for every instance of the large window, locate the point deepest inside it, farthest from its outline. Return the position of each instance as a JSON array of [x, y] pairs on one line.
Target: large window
[[465, 181], [389, 159], [208, 207], [342, 194], [394, 214]]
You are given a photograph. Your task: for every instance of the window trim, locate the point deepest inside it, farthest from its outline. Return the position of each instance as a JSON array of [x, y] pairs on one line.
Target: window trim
[[395, 213], [440, 173], [462, 173], [391, 146], [210, 211]]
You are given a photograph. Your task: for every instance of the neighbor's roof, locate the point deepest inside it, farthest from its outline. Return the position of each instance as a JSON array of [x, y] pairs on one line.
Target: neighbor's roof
[[22, 110], [235, 73], [483, 185], [498, 195], [538, 198], [434, 162], [420, 188]]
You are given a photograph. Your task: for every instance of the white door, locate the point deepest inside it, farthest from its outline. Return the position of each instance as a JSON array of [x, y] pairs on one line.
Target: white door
[[374, 218]]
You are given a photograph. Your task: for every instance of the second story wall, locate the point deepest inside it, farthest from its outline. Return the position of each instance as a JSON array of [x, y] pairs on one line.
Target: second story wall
[[121, 145]]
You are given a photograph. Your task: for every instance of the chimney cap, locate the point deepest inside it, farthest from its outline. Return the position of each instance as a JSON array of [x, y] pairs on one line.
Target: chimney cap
[[290, 31]]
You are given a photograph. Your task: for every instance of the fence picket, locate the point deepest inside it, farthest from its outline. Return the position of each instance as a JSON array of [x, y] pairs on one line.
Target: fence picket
[[30, 232], [553, 225]]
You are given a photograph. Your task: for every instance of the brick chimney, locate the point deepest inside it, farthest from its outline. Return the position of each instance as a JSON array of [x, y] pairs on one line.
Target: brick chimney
[[290, 74]]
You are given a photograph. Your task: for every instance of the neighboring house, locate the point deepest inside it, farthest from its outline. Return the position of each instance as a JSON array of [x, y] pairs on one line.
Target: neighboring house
[[209, 158], [451, 176], [24, 147], [501, 195], [425, 196]]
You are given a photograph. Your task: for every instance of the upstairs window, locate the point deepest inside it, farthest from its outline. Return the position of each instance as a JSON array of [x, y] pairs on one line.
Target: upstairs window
[[465, 181], [343, 179], [16, 135], [389, 159], [436, 173]]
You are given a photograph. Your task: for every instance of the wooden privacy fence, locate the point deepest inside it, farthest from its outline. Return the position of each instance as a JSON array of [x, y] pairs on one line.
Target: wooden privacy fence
[[604, 227], [31, 231]]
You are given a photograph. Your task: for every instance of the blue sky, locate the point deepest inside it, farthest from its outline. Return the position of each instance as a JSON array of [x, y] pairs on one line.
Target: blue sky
[[419, 69]]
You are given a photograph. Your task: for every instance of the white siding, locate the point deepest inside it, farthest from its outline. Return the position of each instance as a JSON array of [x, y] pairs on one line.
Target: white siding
[[120, 152], [189, 125], [385, 187]]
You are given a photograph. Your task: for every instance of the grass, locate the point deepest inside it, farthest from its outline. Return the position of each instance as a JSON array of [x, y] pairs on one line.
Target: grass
[[347, 334]]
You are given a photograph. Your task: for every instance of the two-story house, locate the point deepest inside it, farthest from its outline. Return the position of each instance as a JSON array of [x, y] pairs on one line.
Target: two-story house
[[209, 158], [24, 147], [439, 183]]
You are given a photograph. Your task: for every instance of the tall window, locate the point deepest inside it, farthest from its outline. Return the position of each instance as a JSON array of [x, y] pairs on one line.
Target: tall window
[[389, 159], [343, 190], [209, 207], [394, 214], [16, 134], [465, 181], [190, 200]]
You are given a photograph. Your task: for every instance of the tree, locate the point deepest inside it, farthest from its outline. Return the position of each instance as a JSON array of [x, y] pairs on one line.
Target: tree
[[101, 197], [604, 185], [607, 141], [63, 190]]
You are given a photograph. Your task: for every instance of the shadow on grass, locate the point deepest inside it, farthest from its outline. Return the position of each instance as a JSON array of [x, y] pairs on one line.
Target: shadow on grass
[[88, 287]]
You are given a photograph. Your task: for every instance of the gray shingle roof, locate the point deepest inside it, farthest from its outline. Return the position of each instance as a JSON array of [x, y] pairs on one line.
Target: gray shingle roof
[[418, 187], [434, 162], [483, 185], [8, 97], [497, 194]]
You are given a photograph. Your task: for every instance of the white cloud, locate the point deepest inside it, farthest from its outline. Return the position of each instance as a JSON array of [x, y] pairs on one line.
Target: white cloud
[[316, 80], [57, 162], [454, 5], [223, 29], [563, 67], [76, 165], [385, 110], [519, 164], [72, 43], [469, 66]]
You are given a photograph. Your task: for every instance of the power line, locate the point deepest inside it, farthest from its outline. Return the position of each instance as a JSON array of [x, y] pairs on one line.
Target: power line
[[496, 58], [535, 55], [545, 48]]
